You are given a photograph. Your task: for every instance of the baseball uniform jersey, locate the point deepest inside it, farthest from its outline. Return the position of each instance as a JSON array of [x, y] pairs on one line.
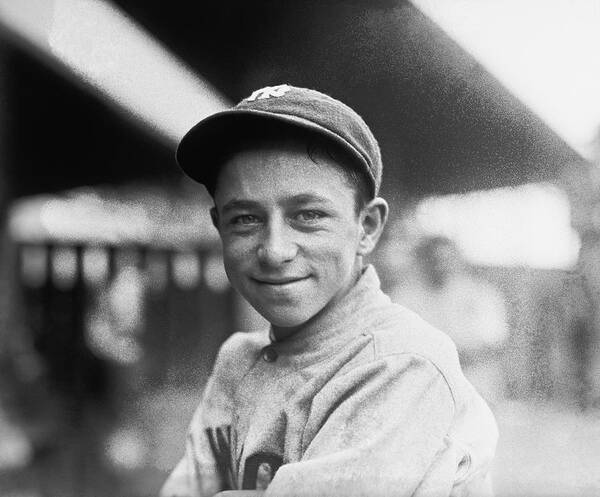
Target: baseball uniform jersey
[[366, 399]]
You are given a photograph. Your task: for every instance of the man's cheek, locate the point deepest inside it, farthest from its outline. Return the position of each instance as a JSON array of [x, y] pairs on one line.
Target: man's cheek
[[236, 256]]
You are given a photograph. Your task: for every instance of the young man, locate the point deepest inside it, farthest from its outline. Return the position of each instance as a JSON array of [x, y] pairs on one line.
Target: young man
[[346, 394]]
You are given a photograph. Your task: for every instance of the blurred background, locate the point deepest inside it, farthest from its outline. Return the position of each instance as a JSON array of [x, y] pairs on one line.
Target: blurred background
[[113, 299]]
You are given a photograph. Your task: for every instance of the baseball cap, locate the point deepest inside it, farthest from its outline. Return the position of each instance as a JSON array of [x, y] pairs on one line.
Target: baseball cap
[[202, 150]]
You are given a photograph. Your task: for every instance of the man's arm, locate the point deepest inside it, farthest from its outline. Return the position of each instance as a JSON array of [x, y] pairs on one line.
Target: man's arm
[[240, 493], [378, 430], [205, 468], [197, 473], [201, 472]]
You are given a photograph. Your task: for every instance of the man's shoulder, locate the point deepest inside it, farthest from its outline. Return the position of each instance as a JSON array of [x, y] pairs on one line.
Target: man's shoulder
[[241, 345], [403, 332], [239, 352], [236, 357]]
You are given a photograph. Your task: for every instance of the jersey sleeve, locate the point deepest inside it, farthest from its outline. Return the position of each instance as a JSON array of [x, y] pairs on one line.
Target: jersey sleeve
[[197, 473], [206, 466], [378, 430]]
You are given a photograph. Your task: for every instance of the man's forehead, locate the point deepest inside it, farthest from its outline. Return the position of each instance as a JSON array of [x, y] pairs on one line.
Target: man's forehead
[[267, 157], [280, 176]]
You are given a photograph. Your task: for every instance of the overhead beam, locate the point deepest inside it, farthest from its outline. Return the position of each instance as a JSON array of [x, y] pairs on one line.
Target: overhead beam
[[105, 50]]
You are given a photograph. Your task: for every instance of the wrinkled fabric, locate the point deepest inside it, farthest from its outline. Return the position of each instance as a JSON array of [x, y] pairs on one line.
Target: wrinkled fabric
[[366, 400]]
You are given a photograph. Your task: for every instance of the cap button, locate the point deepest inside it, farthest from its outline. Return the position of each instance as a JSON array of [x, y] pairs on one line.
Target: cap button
[[269, 354]]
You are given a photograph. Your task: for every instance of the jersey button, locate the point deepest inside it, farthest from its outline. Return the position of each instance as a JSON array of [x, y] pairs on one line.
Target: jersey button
[[269, 354]]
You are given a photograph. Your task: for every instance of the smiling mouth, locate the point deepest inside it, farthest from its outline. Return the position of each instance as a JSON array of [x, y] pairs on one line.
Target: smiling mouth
[[279, 282]]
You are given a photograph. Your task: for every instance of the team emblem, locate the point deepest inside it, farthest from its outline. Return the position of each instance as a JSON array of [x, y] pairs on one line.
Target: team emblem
[[268, 92]]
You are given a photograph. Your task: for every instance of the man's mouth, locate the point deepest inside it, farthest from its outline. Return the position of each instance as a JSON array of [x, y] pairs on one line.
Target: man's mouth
[[280, 281]]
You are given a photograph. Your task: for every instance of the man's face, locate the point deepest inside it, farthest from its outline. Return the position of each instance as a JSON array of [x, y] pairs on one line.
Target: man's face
[[289, 230]]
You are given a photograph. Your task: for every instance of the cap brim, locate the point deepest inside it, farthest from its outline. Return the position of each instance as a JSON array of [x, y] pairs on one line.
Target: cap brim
[[204, 147]]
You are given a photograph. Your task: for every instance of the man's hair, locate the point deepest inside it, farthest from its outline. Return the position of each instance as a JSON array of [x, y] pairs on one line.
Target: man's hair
[[270, 133], [356, 178]]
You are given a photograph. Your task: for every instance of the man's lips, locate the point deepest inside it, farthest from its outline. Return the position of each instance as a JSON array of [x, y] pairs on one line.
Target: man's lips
[[280, 281]]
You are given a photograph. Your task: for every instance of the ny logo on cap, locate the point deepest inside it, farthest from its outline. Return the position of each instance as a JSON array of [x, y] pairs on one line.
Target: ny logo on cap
[[268, 92]]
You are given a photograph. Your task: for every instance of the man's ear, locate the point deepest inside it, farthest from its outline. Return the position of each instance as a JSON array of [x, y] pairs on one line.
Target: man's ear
[[372, 218], [214, 216]]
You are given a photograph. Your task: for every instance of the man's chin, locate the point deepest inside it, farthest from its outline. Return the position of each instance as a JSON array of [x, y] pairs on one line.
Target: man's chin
[[283, 317], [286, 322]]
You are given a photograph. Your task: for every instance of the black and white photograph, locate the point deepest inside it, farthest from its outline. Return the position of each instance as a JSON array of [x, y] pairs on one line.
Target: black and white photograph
[[305, 248]]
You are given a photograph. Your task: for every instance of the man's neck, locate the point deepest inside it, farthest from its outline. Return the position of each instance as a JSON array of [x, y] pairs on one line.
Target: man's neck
[[279, 333]]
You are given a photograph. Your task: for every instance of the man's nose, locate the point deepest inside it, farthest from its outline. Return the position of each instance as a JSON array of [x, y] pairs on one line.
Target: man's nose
[[277, 246]]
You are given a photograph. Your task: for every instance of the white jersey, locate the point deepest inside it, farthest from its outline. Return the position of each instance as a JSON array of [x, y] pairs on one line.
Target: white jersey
[[366, 400]]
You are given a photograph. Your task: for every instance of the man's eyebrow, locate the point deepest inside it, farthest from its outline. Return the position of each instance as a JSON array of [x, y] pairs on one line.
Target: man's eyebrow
[[236, 204], [306, 198], [300, 199]]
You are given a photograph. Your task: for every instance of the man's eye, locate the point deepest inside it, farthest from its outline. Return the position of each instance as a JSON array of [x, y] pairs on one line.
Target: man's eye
[[245, 219], [309, 216]]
